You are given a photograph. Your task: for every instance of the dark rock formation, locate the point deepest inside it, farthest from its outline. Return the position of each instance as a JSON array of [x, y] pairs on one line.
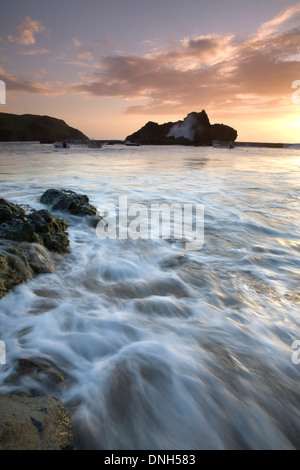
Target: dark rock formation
[[26, 235], [20, 262], [69, 201], [28, 225], [34, 423], [31, 127], [66, 200], [195, 129], [223, 133], [47, 377]]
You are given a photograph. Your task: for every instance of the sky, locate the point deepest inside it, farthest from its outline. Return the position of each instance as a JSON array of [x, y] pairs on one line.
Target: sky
[[109, 67]]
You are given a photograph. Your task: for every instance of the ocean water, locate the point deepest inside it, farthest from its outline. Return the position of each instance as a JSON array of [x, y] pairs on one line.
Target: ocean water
[[163, 347]]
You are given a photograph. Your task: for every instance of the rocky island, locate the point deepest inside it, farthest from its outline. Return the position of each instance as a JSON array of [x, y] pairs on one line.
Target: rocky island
[[195, 129], [32, 127]]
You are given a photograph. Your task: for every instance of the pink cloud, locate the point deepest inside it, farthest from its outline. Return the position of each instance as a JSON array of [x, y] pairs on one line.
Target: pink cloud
[[85, 55], [35, 51], [213, 71], [289, 17], [205, 71], [19, 84], [76, 42], [27, 30]]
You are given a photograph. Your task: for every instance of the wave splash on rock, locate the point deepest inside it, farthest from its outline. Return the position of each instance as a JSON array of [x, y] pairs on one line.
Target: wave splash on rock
[[195, 129]]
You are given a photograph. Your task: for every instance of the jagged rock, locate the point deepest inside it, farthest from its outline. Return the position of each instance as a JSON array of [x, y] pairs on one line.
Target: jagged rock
[[26, 235], [13, 271], [69, 201], [34, 423], [33, 227], [26, 232], [195, 129], [66, 200], [20, 262]]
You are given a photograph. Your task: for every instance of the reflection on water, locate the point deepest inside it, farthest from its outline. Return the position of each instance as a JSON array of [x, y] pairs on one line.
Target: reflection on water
[[151, 346], [196, 163]]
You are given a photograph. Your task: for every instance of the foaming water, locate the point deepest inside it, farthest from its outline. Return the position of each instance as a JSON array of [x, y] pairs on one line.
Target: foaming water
[[161, 347]]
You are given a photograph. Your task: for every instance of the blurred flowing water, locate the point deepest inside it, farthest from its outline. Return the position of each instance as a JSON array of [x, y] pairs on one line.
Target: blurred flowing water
[[161, 347]]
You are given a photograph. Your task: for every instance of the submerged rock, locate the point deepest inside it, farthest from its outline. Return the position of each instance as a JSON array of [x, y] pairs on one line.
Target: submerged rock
[[38, 366], [34, 423], [42, 376]]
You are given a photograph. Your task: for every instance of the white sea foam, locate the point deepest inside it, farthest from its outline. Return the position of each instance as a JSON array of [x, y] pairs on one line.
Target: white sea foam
[[184, 129], [160, 347]]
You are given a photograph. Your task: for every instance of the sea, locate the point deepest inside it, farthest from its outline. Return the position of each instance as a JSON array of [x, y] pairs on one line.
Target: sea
[[165, 342]]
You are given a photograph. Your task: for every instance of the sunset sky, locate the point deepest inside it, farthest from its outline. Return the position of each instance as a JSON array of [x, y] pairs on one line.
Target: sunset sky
[[108, 67]]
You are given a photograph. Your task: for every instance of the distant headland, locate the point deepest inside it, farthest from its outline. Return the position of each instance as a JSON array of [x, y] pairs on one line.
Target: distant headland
[[32, 127], [194, 130]]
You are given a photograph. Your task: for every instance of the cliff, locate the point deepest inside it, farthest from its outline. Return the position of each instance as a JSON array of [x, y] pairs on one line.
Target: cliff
[[31, 127], [195, 129]]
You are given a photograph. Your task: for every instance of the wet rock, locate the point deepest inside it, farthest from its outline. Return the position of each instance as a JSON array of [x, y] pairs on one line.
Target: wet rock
[[40, 368], [13, 271], [26, 235], [32, 226], [38, 258], [66, 200], [38, 375], [20, 262], [10, 211], [174, 261], [34, 423]]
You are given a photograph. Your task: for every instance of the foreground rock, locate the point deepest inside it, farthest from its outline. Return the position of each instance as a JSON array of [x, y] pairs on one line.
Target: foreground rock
[[32, 127], [27, 237], [28, 225], [195, 129], [34, 423], [20, 262], [71, 202]]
